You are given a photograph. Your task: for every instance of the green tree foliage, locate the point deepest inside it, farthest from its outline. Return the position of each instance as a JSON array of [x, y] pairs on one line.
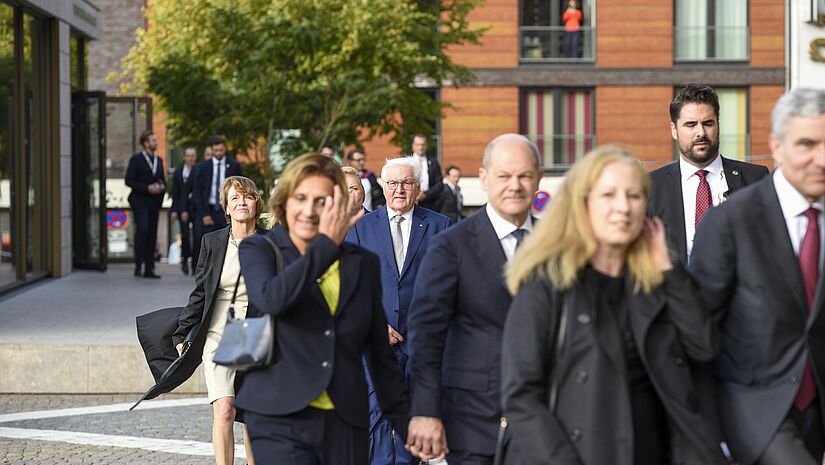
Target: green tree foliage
[[247, 68]]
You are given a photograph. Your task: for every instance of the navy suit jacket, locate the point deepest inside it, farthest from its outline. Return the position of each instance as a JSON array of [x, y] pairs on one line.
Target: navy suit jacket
[[455, 331], [314, 349], [139, 176], [182, 190], [202, 184], [373, 233]]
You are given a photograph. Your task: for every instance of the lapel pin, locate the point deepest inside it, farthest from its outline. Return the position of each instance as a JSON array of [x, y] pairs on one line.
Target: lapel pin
[[735, 172], [227, 165]]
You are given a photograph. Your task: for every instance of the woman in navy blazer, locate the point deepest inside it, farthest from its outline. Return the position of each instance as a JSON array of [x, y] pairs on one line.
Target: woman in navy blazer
[[310, 405]]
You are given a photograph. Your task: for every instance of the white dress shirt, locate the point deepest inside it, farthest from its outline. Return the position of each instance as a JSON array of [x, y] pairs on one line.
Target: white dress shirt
[[218, 169], [425, 171], [690, 184], [187, 170], [406, 227], [504, 230], [793, 206]]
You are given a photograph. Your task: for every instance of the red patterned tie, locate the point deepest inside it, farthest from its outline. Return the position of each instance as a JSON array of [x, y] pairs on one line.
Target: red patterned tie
[[703, 199], [809, 265]]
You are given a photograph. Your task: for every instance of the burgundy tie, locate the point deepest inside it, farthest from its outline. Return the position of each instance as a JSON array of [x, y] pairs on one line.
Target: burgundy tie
[[703, 199], [809, 265]]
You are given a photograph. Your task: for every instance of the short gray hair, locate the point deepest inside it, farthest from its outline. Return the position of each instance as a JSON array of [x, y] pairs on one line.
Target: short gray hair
[[797, 102], [402, 161], [488, 151]]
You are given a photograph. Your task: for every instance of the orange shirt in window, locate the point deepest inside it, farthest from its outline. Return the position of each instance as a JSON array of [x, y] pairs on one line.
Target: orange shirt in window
[[572, 20]]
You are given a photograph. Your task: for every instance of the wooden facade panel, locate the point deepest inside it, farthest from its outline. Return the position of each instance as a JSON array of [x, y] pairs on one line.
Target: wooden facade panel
[[467, 129], [767, 33], [377, 150], [498, 47], [647, 137], [762, 101], [627, 39]]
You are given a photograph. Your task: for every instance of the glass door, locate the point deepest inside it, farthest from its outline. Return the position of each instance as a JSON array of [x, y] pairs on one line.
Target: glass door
[[89, 225]]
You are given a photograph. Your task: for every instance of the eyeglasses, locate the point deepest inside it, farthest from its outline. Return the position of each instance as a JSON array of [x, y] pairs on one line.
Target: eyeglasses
[[393, 185]]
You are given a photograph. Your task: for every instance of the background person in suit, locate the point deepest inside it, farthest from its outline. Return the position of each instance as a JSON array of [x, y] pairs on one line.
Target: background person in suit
[[758, 262], [217, 279], [615, 370], [144, 175], [430, 169], [458, 310], [451, 202], [682, 191], [208, 178], [182, 203], [311, 405], [398, 233], [374, 193]]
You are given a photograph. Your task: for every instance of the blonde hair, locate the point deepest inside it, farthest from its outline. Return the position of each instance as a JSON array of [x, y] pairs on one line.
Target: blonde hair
[[563, 241], [243, 186], [308, 164]]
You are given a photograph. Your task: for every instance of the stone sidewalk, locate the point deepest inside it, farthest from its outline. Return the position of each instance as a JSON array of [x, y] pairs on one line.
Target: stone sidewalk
[[76, 334]]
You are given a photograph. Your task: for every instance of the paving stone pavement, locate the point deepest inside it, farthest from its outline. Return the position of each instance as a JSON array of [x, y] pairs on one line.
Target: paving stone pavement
[[190, 422]]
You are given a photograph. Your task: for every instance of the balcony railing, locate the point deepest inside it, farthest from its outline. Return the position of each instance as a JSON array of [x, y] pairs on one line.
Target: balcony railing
[[541, 44], [559, 152], [711, 43]]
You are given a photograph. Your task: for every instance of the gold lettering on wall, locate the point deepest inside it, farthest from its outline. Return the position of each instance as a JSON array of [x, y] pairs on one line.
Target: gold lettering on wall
[[818, 50]]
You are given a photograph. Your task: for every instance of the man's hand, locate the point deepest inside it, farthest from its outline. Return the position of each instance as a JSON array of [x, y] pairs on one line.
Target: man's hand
[[395, 336], [426, 438], [207, 221], [155, 188]]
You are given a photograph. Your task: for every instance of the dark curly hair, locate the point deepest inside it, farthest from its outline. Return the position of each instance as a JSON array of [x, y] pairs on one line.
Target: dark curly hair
[[694, 93]]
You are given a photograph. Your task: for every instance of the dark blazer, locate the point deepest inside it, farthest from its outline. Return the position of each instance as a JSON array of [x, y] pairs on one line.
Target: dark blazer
[[316, 351], [454, 336], [448, 204], [202, 184], [373, 233], [138, 176], [750, 280], [666, 196], [436, 181], [593, 422], [182, 190]]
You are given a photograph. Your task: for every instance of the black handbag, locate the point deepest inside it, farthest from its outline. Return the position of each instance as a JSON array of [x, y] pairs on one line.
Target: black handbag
[[503, 440], [250, 343]]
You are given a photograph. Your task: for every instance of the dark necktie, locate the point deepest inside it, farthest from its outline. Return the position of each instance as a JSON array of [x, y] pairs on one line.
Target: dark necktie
[[217, 183], [809, 266], [703, 198], [519, 235]]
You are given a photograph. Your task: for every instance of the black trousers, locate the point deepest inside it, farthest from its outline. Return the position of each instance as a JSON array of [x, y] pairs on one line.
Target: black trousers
[[308, 437], [146, 234], [219, 222], [185, 239], [463, 457]]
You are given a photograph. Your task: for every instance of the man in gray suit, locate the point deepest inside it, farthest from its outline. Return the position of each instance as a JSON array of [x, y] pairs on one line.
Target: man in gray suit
[[758, 261]]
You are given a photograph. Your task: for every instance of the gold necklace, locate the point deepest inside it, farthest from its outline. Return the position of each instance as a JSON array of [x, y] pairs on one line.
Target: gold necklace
[[232, 238]]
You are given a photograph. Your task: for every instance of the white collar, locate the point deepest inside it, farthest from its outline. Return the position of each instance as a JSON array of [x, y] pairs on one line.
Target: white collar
[[447, 182], [503, 227], [791, 201], [407, 216], [687, 170], [217, 162]]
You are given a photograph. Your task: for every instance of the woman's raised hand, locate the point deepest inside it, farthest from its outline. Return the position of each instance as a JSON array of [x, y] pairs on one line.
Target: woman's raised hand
[[654, 230], [336, 219]]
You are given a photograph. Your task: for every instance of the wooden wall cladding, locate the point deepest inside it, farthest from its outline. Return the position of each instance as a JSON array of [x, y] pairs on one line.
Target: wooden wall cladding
[[634, 33], [480, 114], [637, 118], [498, 47]]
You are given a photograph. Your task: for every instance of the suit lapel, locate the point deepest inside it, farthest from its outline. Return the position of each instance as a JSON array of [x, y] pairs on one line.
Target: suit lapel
[[485, 242], [677, 210], [418, 229], [381, 230], [774, 233], [732, 176], [218, 243]]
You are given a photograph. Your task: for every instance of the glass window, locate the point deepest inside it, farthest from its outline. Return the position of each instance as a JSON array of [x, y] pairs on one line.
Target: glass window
[[8, 272], [560, 122], [557, 30], [715, 30], [734, 141]]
